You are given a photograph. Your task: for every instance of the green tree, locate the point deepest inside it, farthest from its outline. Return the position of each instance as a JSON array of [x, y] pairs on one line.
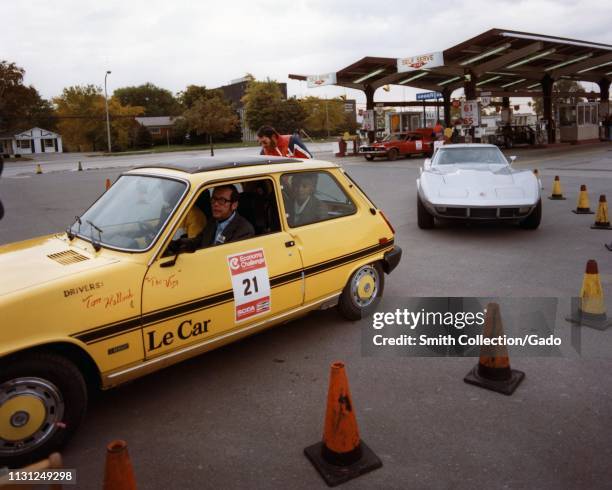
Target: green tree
[[81, 114], [143, 137], [562, 85], [324, 116], [213, 117], [21, 106], [290, 115], [261, 103], [188, 97], [156, 101]]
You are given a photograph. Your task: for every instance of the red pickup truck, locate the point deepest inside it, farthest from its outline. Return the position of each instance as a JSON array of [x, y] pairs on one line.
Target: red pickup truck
[[418, 141]]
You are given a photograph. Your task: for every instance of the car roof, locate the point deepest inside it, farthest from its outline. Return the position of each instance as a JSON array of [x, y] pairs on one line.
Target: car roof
[[207, 164]]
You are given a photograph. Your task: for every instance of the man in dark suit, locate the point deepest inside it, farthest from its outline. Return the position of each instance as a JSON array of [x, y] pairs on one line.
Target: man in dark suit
[[227, 225], [306, 207]]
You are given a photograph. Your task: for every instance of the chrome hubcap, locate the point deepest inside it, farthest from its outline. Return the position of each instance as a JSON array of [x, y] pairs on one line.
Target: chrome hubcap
[[30, 412], [364, 286]]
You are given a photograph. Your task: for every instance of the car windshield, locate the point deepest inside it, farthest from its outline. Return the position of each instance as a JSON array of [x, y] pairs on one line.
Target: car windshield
[[475, 155], [394, 137], [131, 213]]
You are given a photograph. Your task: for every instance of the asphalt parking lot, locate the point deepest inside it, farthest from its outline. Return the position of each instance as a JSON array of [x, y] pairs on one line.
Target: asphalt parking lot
[[242, 415]]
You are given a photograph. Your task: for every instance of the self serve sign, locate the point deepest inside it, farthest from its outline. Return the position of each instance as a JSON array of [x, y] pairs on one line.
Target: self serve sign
[[250, 282]]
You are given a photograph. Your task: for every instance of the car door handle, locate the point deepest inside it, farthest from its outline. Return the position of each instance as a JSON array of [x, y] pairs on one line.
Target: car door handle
[[290, 243]]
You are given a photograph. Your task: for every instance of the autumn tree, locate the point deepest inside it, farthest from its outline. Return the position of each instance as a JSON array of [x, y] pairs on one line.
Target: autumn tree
[[211, 116], [156, 101], [81, 115], [562, 85], [21, 106]]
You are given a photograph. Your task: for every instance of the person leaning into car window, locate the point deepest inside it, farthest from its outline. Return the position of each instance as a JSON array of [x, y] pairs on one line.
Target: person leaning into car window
[[306, 207], [281, 145], [227, 225]]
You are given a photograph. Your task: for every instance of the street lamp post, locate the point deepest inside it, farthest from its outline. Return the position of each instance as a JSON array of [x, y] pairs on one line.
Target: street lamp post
[[107, 116]]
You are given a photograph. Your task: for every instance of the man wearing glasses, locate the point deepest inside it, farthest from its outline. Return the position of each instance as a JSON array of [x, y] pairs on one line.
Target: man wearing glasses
[[227, 225]]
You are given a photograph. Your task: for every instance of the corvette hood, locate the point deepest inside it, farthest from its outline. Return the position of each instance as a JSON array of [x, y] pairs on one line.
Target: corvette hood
[[41, 260], [485, 184]]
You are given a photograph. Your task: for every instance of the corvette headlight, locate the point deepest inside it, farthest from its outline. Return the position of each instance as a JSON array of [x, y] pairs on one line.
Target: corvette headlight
[[524, 210]]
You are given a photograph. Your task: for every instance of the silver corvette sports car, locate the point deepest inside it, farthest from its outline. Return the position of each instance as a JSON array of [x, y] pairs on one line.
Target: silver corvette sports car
[[476, 182]]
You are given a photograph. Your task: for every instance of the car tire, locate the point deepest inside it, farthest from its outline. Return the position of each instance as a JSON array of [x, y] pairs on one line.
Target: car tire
[[369, 158], [52, 394], [393, 154], [362, 292], [532, 221], [425, 219]]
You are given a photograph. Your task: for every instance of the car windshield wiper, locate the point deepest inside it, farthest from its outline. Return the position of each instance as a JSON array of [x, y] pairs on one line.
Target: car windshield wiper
[[69, 229], [96, 245]]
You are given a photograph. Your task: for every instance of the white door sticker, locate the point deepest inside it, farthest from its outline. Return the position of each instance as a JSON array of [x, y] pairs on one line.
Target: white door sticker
[[250, 282], [419, 144]]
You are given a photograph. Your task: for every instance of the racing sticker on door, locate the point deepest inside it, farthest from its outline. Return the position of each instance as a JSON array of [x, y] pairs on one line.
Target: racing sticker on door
[[251, 283], [419, 144]]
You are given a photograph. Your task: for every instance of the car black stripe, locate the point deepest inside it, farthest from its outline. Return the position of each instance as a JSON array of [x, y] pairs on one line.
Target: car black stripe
[[103, 332]]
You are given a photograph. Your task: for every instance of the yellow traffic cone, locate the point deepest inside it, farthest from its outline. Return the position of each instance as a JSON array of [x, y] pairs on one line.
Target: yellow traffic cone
[[557, 195], [38, 169], [602, 220], [583, 206], [590, 309]]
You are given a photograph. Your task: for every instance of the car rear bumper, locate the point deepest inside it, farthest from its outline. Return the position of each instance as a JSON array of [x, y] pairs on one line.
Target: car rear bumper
[[391, 259]]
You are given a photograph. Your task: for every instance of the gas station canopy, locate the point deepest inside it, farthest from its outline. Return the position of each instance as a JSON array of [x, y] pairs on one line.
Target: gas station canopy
[[505, 63]]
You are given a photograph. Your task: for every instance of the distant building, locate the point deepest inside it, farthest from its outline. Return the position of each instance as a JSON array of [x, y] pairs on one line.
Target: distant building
[[160, 127], [234, 93], [32, 141]]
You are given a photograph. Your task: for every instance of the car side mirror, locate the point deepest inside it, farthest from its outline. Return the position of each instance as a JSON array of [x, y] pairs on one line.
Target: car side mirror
[[512, 158]]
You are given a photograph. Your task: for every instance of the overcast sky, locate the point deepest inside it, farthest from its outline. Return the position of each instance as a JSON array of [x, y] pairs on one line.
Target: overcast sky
[[174, 43]]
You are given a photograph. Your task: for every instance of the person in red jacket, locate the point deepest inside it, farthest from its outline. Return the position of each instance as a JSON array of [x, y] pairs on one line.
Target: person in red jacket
[[281, 145]]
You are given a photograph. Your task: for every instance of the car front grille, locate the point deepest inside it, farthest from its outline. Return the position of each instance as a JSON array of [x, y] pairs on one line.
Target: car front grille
[[480, 212]]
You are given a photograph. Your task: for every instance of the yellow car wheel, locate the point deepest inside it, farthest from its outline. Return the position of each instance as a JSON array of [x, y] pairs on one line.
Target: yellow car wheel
[[362, 292], [42, 401]]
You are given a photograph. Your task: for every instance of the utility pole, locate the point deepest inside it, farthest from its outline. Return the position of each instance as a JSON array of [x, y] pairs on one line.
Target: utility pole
[[107, 116]]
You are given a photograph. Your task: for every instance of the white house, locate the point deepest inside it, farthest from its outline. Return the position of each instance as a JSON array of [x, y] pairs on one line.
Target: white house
[[35, 140]]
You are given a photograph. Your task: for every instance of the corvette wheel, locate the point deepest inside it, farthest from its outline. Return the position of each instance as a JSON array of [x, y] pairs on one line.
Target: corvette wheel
[[532, 221], [362, 292], [42, 401], [425, 219]]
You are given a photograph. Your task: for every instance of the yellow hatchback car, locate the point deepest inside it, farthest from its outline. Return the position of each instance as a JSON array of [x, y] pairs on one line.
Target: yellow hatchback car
[[170, 262]]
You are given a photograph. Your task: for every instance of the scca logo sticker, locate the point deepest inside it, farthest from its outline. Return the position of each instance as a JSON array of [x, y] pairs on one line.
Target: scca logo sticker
[[234, 263]]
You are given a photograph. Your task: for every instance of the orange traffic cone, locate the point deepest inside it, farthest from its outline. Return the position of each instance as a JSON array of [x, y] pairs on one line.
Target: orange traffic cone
[[590, 309], [602, 220], [107, 184], [493, 370], [583, 206], [118, 472], [557, 195], [342, 455], [38, 169]]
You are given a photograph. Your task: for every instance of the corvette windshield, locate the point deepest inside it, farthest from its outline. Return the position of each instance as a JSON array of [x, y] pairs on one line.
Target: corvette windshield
[[131, 213], [482, 155]]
